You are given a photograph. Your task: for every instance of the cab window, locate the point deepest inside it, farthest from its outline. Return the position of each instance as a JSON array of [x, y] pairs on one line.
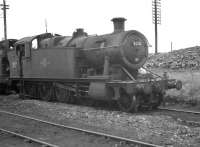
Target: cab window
[[34, 44]]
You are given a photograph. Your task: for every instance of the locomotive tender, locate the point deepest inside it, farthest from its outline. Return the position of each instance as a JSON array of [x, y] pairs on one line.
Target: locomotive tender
[[104, 67]]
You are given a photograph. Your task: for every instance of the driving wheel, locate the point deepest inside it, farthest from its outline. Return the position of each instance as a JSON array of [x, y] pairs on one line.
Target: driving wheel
[[127, 103]]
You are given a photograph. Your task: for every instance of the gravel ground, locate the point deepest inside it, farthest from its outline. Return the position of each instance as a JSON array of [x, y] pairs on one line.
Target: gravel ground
[[161, 129], [55, 135]]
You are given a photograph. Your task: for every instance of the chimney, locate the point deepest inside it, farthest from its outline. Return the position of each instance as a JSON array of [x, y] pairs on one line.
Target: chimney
[[118, 24]]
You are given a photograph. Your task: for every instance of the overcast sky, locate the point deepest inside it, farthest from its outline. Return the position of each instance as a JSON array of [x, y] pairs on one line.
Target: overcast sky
[[180, 19]]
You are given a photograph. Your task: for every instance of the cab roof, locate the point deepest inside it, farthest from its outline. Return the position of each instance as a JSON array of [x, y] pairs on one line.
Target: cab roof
[[31, 38]]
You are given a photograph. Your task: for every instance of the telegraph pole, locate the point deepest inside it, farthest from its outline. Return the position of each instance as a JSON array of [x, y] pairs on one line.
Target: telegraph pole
[[46, 25], [4, 7], [156, 15], [171, 46]]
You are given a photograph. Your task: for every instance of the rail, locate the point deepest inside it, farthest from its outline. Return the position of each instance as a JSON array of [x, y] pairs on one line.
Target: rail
[[179, 110], [28, 138], [132, 141], [183, 111]]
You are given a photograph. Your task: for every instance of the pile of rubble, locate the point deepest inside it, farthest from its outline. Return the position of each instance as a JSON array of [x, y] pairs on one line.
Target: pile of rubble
[[188, 58]]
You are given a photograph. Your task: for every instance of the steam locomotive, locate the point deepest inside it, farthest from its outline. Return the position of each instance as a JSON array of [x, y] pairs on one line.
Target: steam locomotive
[[5, 46], [105, 68]]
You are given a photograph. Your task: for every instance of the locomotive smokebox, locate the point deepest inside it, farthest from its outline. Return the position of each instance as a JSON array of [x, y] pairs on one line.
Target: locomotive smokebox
[[126, 48], [118, 24]]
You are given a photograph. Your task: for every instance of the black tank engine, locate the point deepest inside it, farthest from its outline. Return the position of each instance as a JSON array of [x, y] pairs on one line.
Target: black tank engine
[[104, 67]]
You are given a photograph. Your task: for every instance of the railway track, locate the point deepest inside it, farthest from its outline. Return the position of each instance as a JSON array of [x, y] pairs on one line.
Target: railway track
[[115, 140], [179, 110], [192, 119], [29, 139]]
